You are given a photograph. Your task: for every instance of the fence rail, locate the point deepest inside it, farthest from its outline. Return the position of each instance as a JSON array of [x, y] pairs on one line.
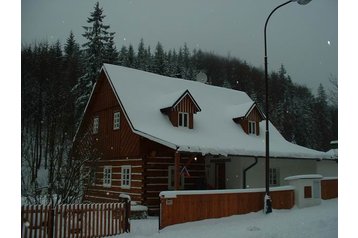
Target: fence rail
[[75, 220]]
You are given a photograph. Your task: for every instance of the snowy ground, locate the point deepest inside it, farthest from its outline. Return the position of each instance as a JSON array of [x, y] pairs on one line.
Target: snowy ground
[[319, 221]]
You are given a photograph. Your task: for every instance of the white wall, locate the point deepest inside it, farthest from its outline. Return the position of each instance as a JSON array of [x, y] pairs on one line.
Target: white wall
[[327, 168], [255, 177]]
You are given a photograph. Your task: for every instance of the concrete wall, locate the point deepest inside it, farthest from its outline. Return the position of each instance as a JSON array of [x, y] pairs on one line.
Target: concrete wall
[[255, 177], [327, 168]]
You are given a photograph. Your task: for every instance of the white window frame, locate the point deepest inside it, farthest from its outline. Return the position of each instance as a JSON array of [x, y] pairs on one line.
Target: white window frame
[[116, 120], [107, 176], [126, 174], [171, 179], [181, 118], [252, 127], [95, 126], [274, 177]]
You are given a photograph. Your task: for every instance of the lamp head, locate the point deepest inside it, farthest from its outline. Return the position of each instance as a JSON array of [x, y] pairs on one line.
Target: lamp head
[[301, 2]]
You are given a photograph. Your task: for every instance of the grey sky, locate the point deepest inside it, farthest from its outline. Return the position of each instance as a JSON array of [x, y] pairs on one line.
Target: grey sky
[[302, 38]]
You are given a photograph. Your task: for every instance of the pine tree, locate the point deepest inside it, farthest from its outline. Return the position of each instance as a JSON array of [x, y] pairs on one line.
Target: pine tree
[[322, 120], [131, 57], [123, 56], [98, 49], [111, 52], [72, 71], [159, 64], [140, 61]]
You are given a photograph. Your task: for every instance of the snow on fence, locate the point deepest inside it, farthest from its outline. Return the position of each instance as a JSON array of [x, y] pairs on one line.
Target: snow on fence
[[185, 206], [75, 220]]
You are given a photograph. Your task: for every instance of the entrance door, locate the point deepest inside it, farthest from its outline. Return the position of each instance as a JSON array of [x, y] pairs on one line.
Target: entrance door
[[220, 176]]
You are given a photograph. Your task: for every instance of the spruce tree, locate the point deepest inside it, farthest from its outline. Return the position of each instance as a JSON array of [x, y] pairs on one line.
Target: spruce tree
[[98, 49], [159, 66]]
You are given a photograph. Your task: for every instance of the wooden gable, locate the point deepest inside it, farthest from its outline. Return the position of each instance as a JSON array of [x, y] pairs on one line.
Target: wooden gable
[[254, 114], [110, 142], [185, 103]]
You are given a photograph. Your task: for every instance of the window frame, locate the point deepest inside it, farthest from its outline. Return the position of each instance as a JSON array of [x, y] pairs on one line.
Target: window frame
[[171, 179], [183, 119], [251, 128], [274, 177], [107, 176], [116, 120], [126, 176], [95, 125]]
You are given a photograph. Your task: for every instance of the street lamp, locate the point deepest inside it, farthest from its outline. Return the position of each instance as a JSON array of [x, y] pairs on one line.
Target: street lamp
[[267, 199]]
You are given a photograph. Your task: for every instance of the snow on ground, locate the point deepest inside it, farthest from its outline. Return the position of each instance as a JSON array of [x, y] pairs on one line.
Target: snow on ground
[[316, 222]]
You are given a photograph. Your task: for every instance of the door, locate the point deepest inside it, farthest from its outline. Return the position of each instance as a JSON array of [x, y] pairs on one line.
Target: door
[[220, 176]]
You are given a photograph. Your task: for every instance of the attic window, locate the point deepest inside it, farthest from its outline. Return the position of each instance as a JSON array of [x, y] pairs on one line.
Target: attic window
[[180, 109], [183, 119], [95, 125], [116, 120], [252, 127]]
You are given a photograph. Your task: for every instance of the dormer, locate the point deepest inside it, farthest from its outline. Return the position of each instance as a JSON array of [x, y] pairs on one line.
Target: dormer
[[181, 109], [249, 117]]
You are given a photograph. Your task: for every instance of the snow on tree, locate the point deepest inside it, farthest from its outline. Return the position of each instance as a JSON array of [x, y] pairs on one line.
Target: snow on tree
[[98, 49]]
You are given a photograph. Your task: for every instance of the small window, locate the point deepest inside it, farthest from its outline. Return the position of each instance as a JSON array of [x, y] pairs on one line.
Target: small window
[[126, 176], [171, 178], [252, 127], [183, 119], [274, 178], [116, 120], [307, 192], [107, 176], [95, 125]]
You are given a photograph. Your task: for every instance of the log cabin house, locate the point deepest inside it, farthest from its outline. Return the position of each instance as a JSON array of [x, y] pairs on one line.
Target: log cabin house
[[149, 133]]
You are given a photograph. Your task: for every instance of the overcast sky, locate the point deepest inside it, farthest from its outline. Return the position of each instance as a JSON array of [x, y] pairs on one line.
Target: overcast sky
[[302, 38]]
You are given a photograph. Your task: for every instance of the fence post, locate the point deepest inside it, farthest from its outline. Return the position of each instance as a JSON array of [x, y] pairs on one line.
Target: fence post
[[127, 205], [50, 223], [128, 214]]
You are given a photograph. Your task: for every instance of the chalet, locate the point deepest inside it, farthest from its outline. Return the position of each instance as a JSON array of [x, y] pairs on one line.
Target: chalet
[[149, 133]]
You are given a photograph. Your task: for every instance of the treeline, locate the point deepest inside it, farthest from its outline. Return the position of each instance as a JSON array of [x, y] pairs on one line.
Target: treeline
[[57, 81]]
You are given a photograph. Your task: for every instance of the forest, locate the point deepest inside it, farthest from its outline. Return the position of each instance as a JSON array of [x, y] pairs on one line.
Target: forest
[[56, 81]]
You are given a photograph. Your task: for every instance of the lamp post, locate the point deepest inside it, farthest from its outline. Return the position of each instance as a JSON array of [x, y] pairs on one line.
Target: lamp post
[[267, 199]]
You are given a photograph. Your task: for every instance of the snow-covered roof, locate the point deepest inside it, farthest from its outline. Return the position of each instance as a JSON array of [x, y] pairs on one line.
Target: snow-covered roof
[[332, 154], [142, 95]]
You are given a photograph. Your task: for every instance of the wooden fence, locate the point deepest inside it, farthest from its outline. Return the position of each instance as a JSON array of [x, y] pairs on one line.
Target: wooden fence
[[185, 206], [75, 220]]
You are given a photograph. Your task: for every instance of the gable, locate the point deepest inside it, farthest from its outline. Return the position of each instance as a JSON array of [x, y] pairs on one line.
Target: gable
[[184, 103], [103, 104]]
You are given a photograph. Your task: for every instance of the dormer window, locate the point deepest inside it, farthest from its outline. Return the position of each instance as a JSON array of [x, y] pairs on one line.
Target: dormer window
[[249, 117], [183, 120], [181, 109], [252, 127]]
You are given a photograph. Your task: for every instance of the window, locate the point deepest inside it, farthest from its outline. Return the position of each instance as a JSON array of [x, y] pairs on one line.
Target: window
[[252, 127], [107, 176], [274, 178], [116, 120], [95, 125], [183, 119], [171, 175], [126, 176]]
